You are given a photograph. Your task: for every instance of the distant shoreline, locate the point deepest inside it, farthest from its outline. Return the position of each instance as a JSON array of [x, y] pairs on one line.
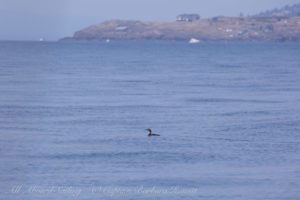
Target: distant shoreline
[[148, 41], [217, 29]]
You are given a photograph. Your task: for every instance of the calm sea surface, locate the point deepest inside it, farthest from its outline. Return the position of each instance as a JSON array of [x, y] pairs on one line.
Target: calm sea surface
[[73, 119]]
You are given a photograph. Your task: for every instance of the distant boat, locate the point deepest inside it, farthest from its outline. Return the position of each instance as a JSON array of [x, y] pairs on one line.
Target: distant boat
[[107, 41], [42, 39], [194, 41]]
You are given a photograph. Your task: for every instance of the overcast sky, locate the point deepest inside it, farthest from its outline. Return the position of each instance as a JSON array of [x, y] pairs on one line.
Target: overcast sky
[[54, 19]]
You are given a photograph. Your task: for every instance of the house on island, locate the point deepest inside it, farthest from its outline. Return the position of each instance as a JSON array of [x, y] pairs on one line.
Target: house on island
[[188, 17]]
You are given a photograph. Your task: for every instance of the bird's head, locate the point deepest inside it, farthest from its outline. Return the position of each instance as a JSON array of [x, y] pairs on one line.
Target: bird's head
[[149, 130]]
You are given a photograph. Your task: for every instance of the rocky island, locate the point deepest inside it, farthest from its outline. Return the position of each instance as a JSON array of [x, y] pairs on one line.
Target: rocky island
[[258, 28]]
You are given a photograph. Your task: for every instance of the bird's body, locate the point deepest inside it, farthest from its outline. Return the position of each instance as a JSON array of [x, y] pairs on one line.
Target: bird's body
[[153, 134], [150, 132]]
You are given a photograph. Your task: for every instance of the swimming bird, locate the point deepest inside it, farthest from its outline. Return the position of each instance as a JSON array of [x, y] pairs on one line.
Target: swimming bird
[[150, 132]]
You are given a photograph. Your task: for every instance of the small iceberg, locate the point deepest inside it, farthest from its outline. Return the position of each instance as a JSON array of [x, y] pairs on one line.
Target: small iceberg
[[194, 41]]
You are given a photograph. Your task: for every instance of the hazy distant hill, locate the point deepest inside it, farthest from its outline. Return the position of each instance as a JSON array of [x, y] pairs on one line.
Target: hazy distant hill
[[287, 11], [275, 25]]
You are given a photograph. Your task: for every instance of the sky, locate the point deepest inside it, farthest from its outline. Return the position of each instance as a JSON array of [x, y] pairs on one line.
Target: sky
[[55, 19]]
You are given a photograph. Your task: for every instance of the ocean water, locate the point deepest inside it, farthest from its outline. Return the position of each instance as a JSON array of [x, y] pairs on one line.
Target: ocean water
[[73, 119]]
